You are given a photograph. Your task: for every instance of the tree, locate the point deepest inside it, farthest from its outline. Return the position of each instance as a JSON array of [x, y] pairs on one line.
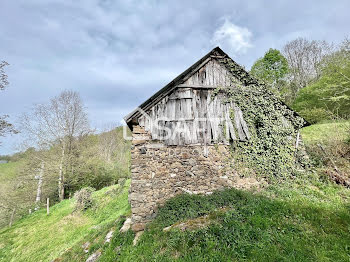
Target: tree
[[272, 68], [329, 96], [56, 127], [3, 76], [304, 59], [5, 126]]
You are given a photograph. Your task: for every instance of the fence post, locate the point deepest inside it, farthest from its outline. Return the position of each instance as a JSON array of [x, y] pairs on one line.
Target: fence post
[[12, 217], [48, 206]]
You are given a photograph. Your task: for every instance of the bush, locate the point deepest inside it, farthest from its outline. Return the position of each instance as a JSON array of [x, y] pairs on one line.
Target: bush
[[316, 115], [83, 199]]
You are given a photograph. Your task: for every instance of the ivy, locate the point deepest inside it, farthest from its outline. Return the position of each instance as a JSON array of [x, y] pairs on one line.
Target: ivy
[[270, 151]]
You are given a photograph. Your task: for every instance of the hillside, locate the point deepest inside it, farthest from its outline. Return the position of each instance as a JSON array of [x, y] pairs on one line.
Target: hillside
[[328, 147], [100, 160], [303, 218], [42, 237]]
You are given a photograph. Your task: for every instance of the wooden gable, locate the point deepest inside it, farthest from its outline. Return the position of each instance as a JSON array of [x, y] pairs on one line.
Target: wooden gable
[[192, 114], [212, 74]]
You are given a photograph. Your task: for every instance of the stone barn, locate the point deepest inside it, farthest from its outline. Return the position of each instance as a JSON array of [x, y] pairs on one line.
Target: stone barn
[[182, 135]]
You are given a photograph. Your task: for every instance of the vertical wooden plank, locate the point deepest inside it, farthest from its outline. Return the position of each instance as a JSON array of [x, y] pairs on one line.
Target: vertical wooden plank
[[212, 118], [238, 125], [229, 122], [243, 124], [195, 116]]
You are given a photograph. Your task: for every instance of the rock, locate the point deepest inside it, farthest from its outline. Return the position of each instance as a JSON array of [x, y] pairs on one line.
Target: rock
[[138, 227], [189, 173], [186, 191], [86, 246], [121, 181], [138, 142], [166, 229], [191, 224], [94, 256], [109, 236], [126, 226], [136, 197], [137, 237], [117, 249]]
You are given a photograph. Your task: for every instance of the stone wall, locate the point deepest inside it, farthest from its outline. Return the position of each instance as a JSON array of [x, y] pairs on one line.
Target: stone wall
[[160, 172]]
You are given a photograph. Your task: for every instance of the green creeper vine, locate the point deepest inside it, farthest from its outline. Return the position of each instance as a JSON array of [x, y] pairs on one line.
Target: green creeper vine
[[273, 127]]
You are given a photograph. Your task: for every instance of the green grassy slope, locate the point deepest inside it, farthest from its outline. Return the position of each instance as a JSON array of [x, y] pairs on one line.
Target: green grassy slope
[[328, 145], [305, 218], [304, 221], [325, 132], [41, 237]]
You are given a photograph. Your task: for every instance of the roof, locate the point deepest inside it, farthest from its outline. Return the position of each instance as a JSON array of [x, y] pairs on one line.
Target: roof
[[242, 75]]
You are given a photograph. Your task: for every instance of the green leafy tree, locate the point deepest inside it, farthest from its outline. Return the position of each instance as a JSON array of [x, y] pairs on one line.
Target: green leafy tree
[[271, 69], [329, 96]]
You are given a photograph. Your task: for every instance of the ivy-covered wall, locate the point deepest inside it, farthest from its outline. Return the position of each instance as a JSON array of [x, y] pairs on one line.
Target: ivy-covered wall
[[271, 150]]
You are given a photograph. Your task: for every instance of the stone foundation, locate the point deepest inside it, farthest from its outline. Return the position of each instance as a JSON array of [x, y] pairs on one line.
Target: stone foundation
[[160, 172]]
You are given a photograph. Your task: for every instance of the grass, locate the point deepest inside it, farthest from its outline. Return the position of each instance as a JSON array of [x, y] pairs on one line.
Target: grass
[[41, 237], [306, 218], [325, 132], [328, 145], [297, 223]]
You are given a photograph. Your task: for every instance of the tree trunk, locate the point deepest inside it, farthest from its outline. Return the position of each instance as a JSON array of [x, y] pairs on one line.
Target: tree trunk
[[61, 178], [40, 182]]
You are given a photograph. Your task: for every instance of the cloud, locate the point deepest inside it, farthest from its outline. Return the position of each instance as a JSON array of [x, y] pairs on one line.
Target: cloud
[[233, 37], [116, 53]]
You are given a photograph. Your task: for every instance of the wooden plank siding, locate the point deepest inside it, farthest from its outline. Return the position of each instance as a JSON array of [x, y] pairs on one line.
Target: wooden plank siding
[[190, 114]]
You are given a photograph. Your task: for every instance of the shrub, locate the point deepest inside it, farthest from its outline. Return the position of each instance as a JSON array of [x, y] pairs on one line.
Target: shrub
[[83, 199], [316, 115]]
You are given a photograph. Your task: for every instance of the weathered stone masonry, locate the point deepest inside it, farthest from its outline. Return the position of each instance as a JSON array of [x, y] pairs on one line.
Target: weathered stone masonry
[[160, 172]]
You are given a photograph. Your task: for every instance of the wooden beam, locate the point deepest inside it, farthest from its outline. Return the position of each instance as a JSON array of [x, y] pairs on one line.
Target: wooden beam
[[218, 56], [201, 86]]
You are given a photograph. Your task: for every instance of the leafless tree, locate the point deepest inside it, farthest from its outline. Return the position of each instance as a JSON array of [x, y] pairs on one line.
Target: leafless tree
[[58, 124], [108, 143], [304, 58], [3, 76], [5, 126], [112, 147]]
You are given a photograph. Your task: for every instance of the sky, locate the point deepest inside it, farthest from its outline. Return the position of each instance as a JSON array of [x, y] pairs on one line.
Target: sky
[[116, 54]]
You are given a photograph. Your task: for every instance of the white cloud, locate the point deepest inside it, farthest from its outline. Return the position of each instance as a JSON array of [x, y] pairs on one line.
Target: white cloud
[[233, 38]]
